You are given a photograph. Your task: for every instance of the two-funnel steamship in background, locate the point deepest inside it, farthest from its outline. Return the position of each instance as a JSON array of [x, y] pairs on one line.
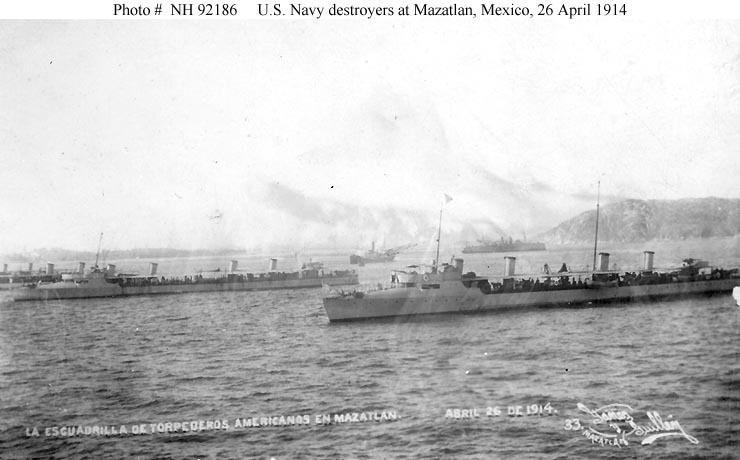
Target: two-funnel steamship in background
[[106, 282]]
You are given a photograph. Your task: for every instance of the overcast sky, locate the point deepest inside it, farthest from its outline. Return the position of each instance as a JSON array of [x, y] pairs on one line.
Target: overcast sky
[[273, 132]]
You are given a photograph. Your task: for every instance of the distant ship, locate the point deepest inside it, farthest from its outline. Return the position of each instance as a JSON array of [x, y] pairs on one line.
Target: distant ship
[[60, 286], [106, 282], [423, 290], [27, 276], [504, 245], [373, 257]]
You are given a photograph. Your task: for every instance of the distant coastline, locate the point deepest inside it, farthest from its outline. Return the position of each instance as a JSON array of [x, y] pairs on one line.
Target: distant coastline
[[623, 222], [65, 255]]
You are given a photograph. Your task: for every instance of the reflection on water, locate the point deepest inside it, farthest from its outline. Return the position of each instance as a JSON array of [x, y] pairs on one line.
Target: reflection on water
[[229, 375]]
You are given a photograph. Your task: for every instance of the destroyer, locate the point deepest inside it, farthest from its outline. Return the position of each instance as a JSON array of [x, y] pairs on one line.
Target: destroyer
[[99, 282], [423, 290], [445, 289]]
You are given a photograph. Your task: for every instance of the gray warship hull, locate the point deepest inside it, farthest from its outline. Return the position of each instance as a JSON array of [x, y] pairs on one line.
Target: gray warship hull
[[456, 298], [117, 288]]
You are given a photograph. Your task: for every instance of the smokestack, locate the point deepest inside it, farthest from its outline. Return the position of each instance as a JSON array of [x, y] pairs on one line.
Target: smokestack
[[233, 265], [5, 268], [648, 260], [81, 268], [458, 265], [30, 266], [509, 267], [273, 265], [603, 261], [153, 268], [110, 268], [49, 268], [373, 247]]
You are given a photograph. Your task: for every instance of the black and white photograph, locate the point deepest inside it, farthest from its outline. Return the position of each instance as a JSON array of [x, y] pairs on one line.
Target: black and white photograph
[[370, 230]]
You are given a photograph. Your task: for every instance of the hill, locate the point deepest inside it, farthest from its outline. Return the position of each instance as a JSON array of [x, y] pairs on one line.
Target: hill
[[640, 220]]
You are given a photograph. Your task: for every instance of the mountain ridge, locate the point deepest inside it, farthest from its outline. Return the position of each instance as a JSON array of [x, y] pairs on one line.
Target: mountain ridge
[[630, 220], [644, 220]]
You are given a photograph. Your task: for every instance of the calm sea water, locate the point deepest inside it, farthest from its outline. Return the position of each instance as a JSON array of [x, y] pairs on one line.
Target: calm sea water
[[406, 388]]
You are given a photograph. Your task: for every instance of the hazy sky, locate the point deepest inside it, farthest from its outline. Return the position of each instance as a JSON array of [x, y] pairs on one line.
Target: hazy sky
[[265, 132]]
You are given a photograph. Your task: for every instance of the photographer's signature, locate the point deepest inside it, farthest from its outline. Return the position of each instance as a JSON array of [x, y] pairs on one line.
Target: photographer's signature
[[612, 424]]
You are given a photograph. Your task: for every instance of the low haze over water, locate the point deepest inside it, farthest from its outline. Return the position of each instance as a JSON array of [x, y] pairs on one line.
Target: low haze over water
[[498, 385]]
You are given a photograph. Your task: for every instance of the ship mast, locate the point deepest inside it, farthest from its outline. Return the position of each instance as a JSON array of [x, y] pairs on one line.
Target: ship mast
[[596, 235], [439, 235], [446, 200], [97, 254]]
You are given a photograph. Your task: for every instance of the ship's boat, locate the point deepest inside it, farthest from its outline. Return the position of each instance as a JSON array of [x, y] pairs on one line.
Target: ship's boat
[[420, 290]]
